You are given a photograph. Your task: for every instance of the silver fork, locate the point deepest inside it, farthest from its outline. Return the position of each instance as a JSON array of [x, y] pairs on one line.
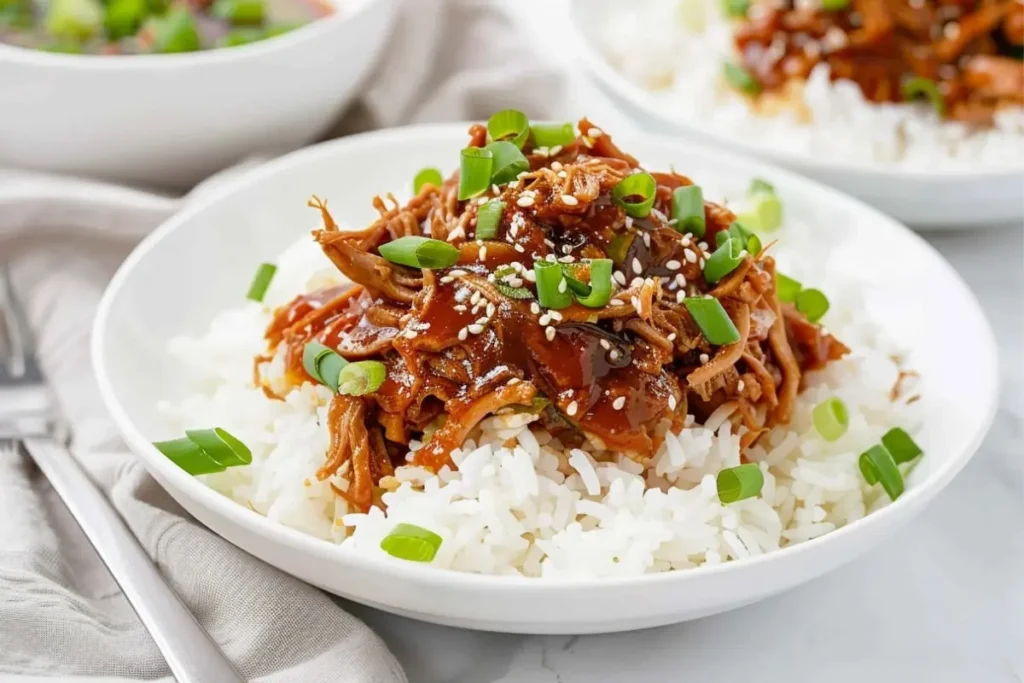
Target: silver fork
[[28, 422]]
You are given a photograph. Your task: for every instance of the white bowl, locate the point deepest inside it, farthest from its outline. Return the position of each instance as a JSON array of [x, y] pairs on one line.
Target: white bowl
[[172, 120], [927, 199], [153, 298]]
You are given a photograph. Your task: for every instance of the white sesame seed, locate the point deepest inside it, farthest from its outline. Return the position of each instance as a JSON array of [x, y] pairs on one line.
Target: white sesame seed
[[636, 282], [701, 263], [659, 215], [637, 268], [671, 336], [690, 256], [482, 254], [686, 240], [512, 382], [671, 402], [530, 276], [555, 315], [562, 174], [461, 308], [490, 277], [549, 243], [620, 278], [594, 133], [619, 403], [571, 409], [567, 259], [463, 333], [525, 200], [569, 200], [740, 385], [481, 201], [514, 281], [635, 302], [544, 319], [458, 272], [562, 286], [520, 249], [483, 320], [613, 354], [554, 151], [446, 279], [549, 333], [616, 302], [566, 249], [673, 265], [629, 222], [680, 280], [490, 309], [410, 334], [704, 358], [550, 258], [605, 345], [703, 246], [647, 240], [495, 189], [534, 307], [475, 299], [680, 295], [457, 233], [556, 165], [475, 328]]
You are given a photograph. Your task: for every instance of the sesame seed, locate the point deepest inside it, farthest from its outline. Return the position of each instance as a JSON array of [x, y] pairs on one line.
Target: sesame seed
[[550, 258], [482, 254], [512, 382], [571, 409], [457, 233], [554, 151], [520, 249], [569, 200], [410, 334], [605, 345], [636, 282], [635, 302], [619, 403], [549, 243], [613, 354], [680, 280], [659, 215], [562, 286], [671, 336], [495, 189], [701, 263], [490, 277], [595, 133], [567, 259], [514, 281], [704, 358], [703, 245], [690, 256], [629, 222], [566, 249], [483, 320], [475, 328], [446, 279], [637, 268], [671, 402], [562, 174], [461, 308], [680, 295], [525, 200], [616, 302], [740, 385], [549, 333], [458, 272], [490, 309], [534, 307], [647, 240], [544, 319], [475, 299], [555, 315], [530, 276], [951, 30], [556, 165], [673, 265], [463, 333], [620, 278]]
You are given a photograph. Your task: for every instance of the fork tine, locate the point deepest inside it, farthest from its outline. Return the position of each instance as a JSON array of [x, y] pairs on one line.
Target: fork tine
[[14, 327]]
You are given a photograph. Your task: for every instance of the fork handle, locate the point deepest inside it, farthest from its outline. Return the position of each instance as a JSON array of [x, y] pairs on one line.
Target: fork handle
[[190, 652]]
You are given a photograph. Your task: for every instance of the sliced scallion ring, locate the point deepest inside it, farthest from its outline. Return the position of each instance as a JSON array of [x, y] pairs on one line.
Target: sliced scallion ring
[[427, 176], [488, 218], [187, 455], [552, 289], [737, 9], [688, 210], [900, 445], [552, 134], [830, 418], [812, 303], [766, 211], [877, 466], [740, 79], [419, 252], [714, 323], [511, 125], [509, 162], [475, 169], [312, 353], [917, 86], [362, 377], [740, 482], [600, 284], [723, 260], [261, 281], [411, 542], [786, 288], [636, 193], [221, 446]]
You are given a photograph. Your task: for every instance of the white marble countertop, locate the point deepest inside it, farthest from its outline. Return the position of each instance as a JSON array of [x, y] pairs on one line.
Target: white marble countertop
[[940, 602]]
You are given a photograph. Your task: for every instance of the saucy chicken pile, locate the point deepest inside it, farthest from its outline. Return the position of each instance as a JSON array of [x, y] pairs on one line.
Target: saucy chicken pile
[[462, 342], [962, 55]]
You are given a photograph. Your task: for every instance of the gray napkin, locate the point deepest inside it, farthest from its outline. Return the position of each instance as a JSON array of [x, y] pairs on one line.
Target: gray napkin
[[60, 612]]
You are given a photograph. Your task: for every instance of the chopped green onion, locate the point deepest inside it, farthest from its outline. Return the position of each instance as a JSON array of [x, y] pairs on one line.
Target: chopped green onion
[[636, 193], [221, 446], [618, 250], [322, 363], [740, 482], [427, 176], [419, 252], [600, 284], [830, 418], [713, 321], [474, 171], [511, 125], [488, 218], [261, 281], [174, 32], [508, 163], [239, 11], [766, 212], [577, 287], [242, 36], [812, 303], [877, 466], [362, 377], [552, 289], [759, 186], [740, 79], [688, 210], [123, 18], [918, 86], [787, 288], [513, 292], [411, 542], [552, 134], [188, 456], [834, 5], [723, 261], [900, 445], [73, 20], [737, 8]]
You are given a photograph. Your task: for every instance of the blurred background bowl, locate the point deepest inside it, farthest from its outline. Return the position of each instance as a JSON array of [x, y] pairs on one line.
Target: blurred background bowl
[[171, 120]]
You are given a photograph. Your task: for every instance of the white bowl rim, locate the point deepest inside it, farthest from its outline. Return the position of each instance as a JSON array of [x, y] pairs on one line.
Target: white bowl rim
[[285, 537], [25, 56], [645, 100]]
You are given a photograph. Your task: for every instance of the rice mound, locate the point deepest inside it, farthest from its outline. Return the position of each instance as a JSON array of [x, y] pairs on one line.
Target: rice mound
[[522, 504]]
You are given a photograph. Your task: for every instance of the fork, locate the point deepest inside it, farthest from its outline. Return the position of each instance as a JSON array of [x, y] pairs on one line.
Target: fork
[[29, 423]]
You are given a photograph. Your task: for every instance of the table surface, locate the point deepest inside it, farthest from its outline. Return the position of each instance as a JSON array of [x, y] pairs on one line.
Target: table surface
[[941, 601]]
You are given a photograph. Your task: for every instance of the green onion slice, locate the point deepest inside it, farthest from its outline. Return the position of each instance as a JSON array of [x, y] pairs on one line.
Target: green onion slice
[[723, 261], [834, 5], [427, 176], [600, 284], [740, 482], [636, 194], [577, 287], [258, 288], [552, 134], [474, 171], [740, 79], [221, 446], [713, 321], [419, 252], [187, 455], [511, 125], [877, 466], [552, 289], [766, 212], [812, 303], [918, 86], [787, 288], [312, 353], [688, 210], [830, 418], [900, 445], [488, 218], [737, 9], [760, 186], [509, 162], [411, 542], [362, 377]]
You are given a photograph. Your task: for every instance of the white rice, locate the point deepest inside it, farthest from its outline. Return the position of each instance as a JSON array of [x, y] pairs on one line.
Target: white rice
[[519, 502], [676, 50]]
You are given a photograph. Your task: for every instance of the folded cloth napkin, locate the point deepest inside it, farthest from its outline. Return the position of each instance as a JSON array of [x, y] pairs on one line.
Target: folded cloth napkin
[[60, 612]]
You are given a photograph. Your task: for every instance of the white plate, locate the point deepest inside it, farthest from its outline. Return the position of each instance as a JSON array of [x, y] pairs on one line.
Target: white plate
[[201, 260], [924, 199]]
